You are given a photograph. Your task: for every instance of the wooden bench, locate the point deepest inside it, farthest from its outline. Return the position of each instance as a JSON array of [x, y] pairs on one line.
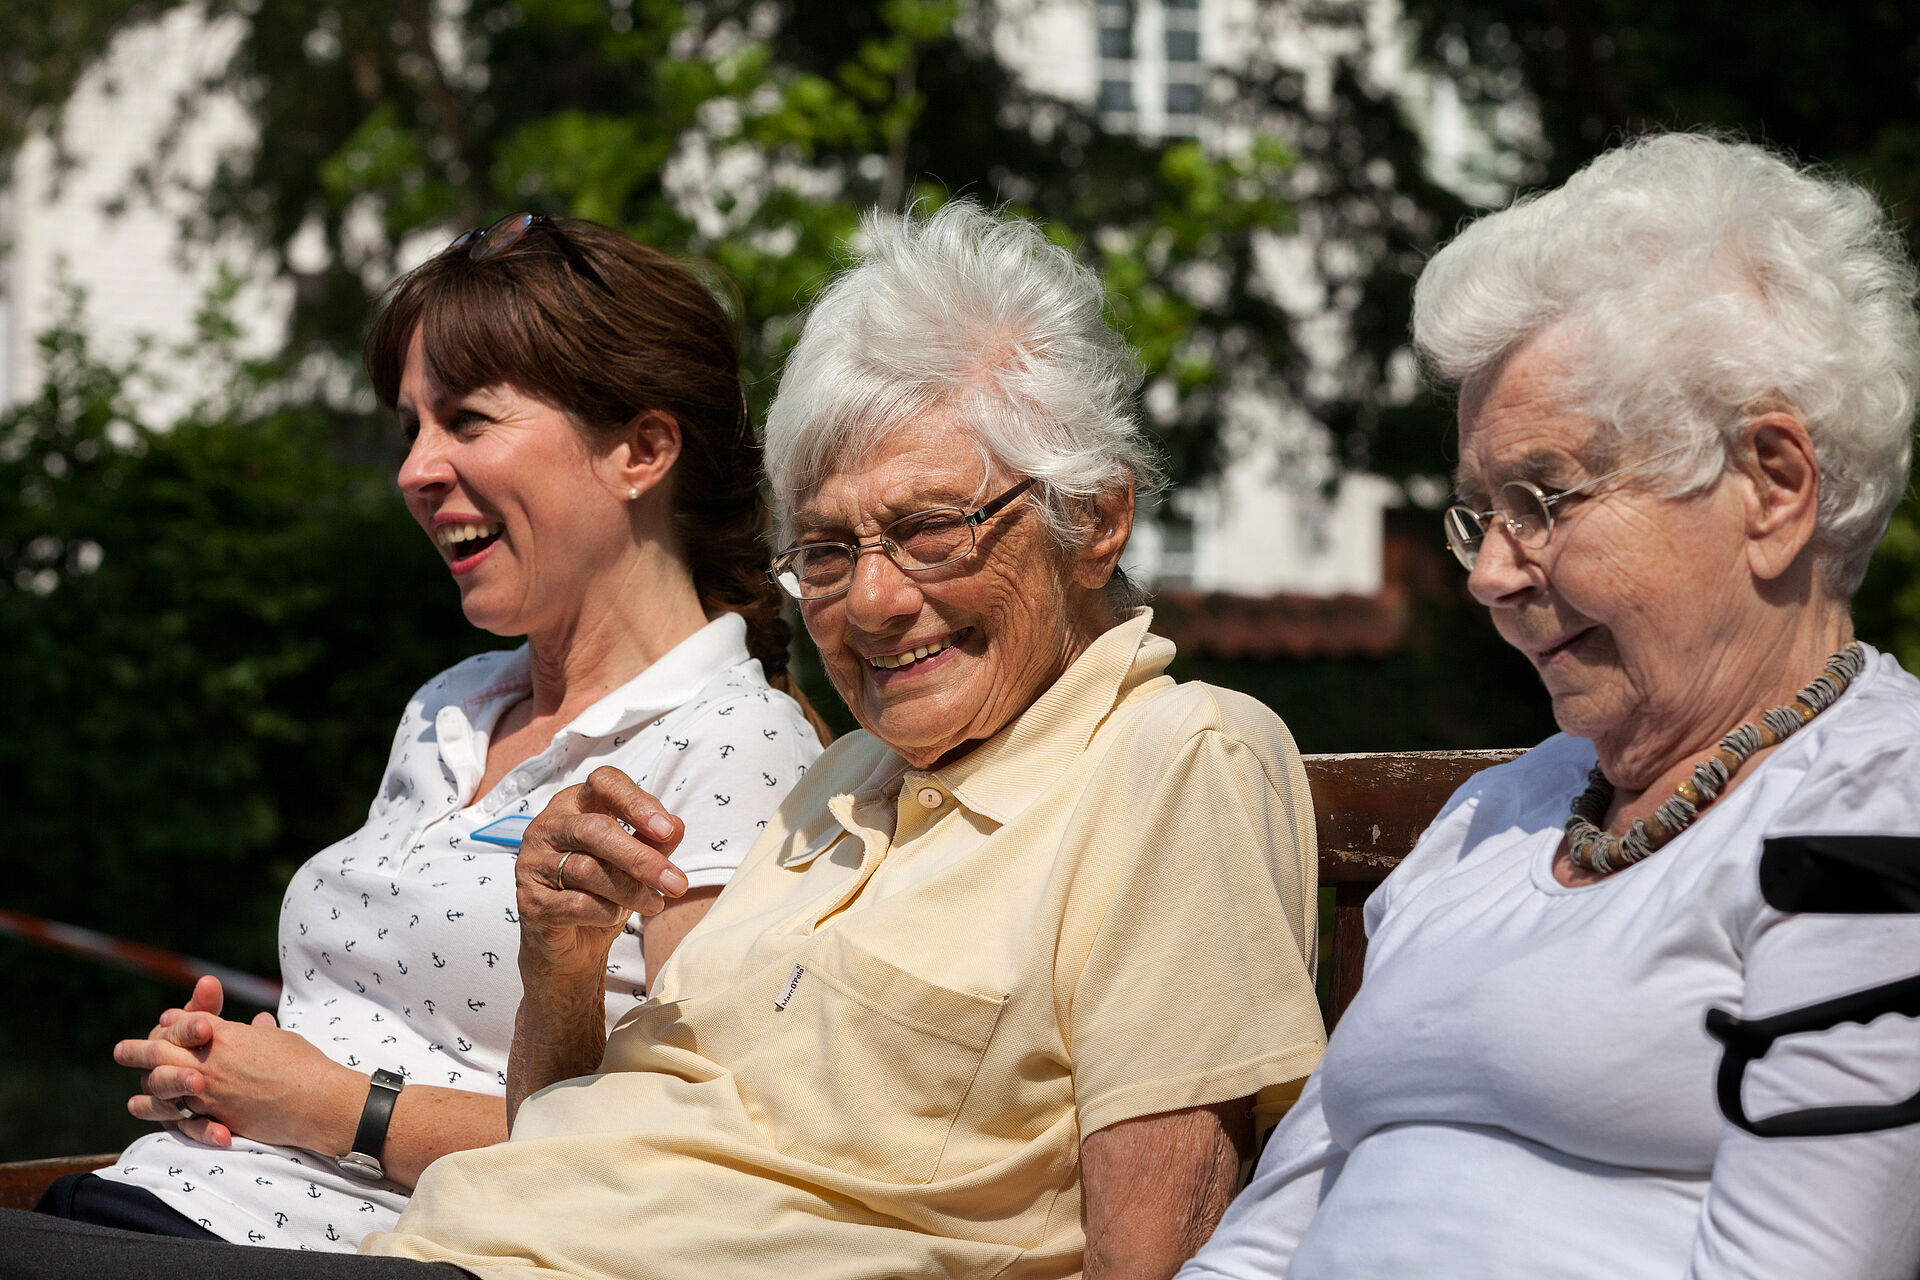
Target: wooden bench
[[1368, 809], [24, 1181]]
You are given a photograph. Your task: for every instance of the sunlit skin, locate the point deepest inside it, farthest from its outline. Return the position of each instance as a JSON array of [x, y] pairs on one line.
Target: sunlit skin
[[1017, 612], [1657, 624], [574, 551]]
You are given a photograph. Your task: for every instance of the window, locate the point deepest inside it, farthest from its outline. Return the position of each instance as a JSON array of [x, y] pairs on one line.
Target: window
[[1183, 99], [1152, 79], [1186, 78], [1115, 19]]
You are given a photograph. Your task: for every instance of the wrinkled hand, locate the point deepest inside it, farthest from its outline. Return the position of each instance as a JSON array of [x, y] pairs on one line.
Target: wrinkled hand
[[608, 873], [241, 1079]]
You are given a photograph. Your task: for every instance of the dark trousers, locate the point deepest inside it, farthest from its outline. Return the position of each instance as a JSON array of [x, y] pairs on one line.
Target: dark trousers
[[38, 1246], [86, 1197]]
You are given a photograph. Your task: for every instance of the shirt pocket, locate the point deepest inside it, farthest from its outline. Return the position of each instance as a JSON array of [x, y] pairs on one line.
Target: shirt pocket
[[864, 1066]]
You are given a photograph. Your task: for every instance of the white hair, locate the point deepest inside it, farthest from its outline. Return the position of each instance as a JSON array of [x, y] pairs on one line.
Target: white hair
[[1701, 281], [974, 316]]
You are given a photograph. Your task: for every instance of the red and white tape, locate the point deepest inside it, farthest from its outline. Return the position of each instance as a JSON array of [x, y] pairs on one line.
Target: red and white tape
[[137, 957]]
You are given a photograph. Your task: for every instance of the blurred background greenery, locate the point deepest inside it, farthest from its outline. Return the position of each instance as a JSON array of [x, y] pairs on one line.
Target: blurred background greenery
[[208, 625]]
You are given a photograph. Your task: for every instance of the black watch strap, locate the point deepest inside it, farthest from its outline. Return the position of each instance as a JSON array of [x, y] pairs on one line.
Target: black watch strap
[[371, 1137]]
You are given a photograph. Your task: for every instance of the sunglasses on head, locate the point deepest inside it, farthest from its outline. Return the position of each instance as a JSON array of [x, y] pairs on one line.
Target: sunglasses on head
[[497, 238]]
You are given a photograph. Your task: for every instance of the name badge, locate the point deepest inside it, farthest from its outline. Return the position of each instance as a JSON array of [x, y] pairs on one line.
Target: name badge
[[505, 832]]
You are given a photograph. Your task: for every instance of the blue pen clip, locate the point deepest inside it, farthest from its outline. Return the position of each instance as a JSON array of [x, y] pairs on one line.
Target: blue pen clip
[[505, 832]]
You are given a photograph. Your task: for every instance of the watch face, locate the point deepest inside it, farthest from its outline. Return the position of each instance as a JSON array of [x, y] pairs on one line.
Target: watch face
[[363, 1167]]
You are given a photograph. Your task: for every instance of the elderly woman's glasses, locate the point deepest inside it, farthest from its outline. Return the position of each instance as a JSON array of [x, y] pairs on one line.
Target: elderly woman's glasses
[[496, 238], [917, 543], [1527, 511]]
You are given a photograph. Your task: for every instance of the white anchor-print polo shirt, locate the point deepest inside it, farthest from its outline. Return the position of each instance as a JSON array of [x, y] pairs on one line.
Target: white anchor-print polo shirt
[[398, 945]]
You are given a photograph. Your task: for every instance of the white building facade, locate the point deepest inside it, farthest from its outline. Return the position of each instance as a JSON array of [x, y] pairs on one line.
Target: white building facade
[[94, 226]]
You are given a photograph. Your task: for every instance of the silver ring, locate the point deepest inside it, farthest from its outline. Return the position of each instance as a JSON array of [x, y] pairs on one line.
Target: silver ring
[[560, 872], [186, 1112]]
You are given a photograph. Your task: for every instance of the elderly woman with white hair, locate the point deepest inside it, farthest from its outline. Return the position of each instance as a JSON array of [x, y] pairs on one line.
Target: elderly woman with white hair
[[1007, 982], [1008, 979], [1686, 383]]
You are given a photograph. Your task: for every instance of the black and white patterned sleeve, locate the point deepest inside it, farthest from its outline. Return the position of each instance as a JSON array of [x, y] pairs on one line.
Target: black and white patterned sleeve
[[725, 771]]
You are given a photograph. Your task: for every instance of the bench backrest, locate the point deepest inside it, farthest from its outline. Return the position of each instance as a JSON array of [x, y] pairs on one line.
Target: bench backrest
[[1369, 809]]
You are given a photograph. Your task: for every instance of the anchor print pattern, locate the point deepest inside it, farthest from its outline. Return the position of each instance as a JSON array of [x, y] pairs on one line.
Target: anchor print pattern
[[400, 959]]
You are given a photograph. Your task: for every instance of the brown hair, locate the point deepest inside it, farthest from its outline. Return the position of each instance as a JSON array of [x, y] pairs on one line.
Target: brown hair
[[655, 337]]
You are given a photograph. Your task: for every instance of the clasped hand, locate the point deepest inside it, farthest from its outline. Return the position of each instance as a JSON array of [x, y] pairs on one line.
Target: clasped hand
[[213, 1078], [596, 854]]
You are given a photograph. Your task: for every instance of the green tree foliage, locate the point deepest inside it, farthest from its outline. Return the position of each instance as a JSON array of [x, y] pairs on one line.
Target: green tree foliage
[[754, 133], [206, 634]]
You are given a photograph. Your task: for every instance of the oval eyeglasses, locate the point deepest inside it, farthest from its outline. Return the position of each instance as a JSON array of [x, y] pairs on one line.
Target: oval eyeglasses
[[1526, 510], [919, 542]]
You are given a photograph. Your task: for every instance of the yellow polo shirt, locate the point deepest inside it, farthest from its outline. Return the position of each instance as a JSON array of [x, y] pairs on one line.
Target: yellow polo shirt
[[879, 1053]]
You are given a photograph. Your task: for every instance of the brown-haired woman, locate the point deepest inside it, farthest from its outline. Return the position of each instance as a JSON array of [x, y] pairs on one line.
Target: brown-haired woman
[[582, 457]]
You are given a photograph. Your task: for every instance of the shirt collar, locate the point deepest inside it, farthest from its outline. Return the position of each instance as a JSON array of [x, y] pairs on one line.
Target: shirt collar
[[672, 681], [675, 679], [1001, 776], [1004, 774]]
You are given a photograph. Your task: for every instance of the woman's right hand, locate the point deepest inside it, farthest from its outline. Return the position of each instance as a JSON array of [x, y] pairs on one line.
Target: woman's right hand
[[581, 873]]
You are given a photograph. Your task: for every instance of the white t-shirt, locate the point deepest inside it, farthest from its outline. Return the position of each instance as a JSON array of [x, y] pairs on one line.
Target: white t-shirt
[[1524, 1086], [398, 945]]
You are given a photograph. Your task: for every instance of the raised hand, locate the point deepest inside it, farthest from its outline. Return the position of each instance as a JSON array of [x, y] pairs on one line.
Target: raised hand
[[581, 873]]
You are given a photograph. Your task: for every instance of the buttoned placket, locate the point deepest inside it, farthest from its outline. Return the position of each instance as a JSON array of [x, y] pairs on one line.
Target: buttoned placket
[[464, 764], [460, 769], [923, 801], [915, 807], [529, 775]]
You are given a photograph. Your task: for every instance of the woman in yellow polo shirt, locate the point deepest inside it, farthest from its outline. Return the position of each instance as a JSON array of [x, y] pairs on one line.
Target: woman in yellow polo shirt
[[1011, 977], [1006, 982]]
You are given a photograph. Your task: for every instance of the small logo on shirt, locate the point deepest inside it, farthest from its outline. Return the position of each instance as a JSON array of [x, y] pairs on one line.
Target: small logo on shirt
[[793, 981]]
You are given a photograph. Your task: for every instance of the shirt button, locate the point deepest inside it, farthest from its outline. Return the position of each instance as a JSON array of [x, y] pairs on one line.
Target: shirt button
[[930, 797]]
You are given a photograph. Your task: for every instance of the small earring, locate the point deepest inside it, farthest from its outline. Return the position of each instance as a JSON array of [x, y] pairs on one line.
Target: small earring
[[632, 493]]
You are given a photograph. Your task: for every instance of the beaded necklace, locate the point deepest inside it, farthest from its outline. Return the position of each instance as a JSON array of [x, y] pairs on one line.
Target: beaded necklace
[[1590, 847]]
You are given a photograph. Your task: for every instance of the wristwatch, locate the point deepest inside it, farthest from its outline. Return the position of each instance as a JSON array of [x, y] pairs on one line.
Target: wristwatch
[[363, 1162]]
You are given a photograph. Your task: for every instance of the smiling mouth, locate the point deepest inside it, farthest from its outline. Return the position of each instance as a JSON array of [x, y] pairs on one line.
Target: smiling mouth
[[919, 653], [1553, 651], [463, 541]]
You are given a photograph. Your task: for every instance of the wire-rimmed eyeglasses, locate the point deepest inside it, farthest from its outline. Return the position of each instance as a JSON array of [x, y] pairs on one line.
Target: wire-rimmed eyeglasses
[[496, 238], [924, 540], [1527, 511]]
